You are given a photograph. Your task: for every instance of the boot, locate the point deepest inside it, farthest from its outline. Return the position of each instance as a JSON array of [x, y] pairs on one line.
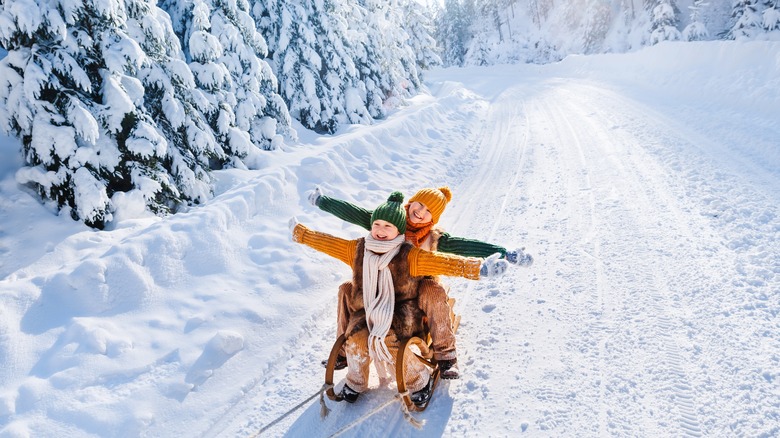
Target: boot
[[348, 394], [341, 363], [449, 369], [422, 397]]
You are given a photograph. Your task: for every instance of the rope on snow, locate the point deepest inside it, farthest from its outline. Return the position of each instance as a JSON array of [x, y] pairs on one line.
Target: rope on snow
[[324, 409], [407, 415], [360, 419], [280, 418]]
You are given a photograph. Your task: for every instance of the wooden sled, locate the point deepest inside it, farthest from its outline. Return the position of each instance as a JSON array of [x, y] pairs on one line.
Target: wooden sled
[[330, 368], [425, 355]]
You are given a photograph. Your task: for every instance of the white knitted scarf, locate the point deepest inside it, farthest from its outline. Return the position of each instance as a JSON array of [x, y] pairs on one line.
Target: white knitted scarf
[[379, 296]]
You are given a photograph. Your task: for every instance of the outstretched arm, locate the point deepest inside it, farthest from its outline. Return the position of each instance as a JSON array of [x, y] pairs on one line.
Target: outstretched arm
[[468, 247], [333, 246], [422, 262], [476, 248], [342, 209]]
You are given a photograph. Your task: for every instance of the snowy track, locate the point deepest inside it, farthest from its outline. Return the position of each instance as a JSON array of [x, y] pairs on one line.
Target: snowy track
[[603, 335], [651, 308]]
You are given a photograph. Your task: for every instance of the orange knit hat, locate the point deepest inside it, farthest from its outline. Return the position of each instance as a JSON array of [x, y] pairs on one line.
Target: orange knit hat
[[435, 199]]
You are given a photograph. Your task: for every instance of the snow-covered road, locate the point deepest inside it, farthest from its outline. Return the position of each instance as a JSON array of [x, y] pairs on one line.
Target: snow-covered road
[[652, 307], [647, 197]]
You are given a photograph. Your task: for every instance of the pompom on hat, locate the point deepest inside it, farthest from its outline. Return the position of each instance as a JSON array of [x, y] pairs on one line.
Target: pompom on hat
[[434, 199], [392, 211]]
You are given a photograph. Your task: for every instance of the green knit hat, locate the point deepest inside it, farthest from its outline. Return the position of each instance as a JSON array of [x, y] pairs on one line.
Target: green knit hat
[[392, 211]]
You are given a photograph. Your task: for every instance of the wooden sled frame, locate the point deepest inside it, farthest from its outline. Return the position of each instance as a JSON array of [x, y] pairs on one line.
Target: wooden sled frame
[[425, 356]]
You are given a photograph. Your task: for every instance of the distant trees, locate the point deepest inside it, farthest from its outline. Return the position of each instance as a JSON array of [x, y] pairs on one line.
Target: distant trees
[[453, 32], [696, 30], [419, 26], [478, 32], [771, 16], [664, 22], [746, 19]]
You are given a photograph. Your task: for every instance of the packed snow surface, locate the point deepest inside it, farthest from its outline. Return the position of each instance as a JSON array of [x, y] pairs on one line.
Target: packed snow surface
[[646, 186]]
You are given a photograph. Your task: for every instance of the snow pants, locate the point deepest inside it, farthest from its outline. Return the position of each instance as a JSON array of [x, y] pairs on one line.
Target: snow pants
[[432, 299], [359, 363]]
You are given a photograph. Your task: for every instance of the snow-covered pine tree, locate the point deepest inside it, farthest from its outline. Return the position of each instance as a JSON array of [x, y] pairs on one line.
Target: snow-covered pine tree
[[479, 52], [746, 20], [225, 51], [171, 103], [73, 89], [771, 16], [665, 22], [696, 30], [297, 63], [585, 24], [50, 86], [385, 64], [625, 31], [487, 45], [268, 19], [191, 22], [452, 33], [418, 24], [346, 95], [362, 28], [598, 19], [404, 75]]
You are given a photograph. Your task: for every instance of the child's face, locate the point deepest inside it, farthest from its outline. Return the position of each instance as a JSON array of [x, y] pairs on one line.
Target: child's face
[[419, 213], [383, 230]]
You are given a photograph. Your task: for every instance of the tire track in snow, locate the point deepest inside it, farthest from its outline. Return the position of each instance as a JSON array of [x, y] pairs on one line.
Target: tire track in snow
[[581, 345], [656, 202], [649, 199], [610, 309], [725, 226], [485, 190]]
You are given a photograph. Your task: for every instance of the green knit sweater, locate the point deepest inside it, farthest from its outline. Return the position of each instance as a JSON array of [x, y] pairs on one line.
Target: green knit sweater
[[447, 243]]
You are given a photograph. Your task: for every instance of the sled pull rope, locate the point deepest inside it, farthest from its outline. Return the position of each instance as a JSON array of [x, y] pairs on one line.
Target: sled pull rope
[[416, 423], [281, 417], [324, 409]]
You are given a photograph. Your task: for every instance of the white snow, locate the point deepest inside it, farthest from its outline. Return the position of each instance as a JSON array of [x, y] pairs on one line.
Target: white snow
[[645, 185]]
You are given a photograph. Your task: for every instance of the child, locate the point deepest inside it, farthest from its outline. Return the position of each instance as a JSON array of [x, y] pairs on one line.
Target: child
[[381, 301], [423, 212]]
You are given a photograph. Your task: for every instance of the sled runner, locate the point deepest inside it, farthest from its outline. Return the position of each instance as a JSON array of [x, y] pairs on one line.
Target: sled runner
[[415, 345]]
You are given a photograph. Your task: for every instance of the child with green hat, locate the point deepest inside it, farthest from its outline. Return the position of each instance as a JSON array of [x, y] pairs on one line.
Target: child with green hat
[[382, 303], [423, 212]]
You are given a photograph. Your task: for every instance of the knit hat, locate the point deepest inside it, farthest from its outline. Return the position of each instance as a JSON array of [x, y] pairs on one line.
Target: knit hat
[[434, 199], [392, 211]]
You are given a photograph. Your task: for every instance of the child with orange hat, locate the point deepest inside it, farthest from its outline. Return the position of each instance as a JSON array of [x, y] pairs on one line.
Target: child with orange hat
[[381, 302], [423, 212]]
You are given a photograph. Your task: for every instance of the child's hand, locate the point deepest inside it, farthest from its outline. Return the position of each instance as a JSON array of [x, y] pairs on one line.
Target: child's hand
[[493, 266], [314, 196], [292, 223], [519, 257]]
